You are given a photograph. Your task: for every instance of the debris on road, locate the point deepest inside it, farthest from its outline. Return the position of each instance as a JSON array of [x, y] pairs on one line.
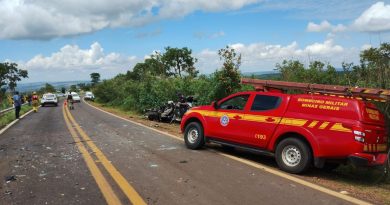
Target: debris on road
[[8, 179], [153, 165]]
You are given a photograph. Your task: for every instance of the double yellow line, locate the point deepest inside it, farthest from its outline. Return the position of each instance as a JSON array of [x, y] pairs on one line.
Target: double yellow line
[[106, 189]]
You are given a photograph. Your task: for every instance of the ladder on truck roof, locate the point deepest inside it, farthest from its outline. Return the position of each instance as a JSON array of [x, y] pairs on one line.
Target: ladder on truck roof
[[378, 95]]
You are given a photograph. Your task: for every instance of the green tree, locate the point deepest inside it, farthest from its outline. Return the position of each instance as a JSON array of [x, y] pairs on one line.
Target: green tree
[[228, 78], [95, 78], [63, 90], [317, 72], [155, 65], [84, 86], [10, 74], [179, 61], [73, 88], [48, 88], [291, 70], [151, 66], [375, 65]]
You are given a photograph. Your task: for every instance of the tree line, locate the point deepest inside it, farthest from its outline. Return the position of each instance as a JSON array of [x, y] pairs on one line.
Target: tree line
[[165, 75], [10, 74], [373, 71], [162, 76]]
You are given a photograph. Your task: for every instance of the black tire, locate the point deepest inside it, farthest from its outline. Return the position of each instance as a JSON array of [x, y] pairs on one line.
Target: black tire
[[43, 105], [193, 136], [56, 104], [293, 155]]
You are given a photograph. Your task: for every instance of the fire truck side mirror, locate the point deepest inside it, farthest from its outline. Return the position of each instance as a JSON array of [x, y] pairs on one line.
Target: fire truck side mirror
[[214, 105]]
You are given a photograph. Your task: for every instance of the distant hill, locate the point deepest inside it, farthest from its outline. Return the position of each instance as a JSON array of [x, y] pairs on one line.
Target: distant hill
[[266, 75], [26, 87], [275, 75]]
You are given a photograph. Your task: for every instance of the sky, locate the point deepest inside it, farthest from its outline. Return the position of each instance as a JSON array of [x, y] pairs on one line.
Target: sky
[[62, 40]]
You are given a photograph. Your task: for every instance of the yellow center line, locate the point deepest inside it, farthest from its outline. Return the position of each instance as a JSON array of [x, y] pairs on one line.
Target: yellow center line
[[102, 183], [127, 189]]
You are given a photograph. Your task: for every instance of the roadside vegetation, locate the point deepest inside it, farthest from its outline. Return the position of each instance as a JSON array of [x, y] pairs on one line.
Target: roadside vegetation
[[165, 75], [5, 103], [8, 117], [10, 74]]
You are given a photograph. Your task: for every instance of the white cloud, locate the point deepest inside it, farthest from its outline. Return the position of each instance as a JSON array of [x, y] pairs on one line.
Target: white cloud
[[365, 47], [208, 61], [374, 19], [263, 57], [325, 26], [324, 49], [42, 19], [79, 62], [74, 63]]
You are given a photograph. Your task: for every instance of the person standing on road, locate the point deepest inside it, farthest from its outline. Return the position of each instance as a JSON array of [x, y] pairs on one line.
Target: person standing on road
[[35, 101], [29, 99], [69, 100], [17, 104]]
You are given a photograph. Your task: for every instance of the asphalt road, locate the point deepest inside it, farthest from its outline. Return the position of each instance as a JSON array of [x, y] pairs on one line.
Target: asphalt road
[[90, 157]]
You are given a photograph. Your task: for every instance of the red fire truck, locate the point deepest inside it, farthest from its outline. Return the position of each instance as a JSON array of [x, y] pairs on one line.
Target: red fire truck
[[325, 126]]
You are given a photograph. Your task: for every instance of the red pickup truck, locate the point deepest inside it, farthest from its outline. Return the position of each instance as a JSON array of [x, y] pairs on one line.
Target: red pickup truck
[[299, 130]]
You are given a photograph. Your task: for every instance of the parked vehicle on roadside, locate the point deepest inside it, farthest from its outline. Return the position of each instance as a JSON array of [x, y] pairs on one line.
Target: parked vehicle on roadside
[[49, 98], [299, 130], [89, 96], [170, 112], [59, 94], [76, 97]]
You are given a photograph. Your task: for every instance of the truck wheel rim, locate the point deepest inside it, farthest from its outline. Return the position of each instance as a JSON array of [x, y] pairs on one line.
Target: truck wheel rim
[[192, 135], [291, 156]]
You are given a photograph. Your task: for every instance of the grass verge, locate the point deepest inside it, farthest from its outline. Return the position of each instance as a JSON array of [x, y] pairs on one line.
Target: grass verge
[[10, 116], [368, 184]]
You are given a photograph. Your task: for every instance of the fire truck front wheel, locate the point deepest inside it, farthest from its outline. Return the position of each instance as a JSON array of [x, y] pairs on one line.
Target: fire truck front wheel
[[293, 155], [193, 135]]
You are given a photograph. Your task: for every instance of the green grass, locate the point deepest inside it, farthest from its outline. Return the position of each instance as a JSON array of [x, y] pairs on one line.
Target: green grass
[[10, 116], [4, 104]]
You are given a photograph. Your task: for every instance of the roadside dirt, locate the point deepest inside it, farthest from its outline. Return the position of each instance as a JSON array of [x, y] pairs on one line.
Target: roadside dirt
[[369, 184]]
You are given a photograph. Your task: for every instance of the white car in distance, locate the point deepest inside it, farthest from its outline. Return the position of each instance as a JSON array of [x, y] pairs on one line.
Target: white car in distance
[[75, 97], [49, 98], [89, 96], [60, 95]]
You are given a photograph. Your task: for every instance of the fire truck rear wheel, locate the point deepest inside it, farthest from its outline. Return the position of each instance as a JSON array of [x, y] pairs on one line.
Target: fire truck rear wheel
[[293, 155], [193, 136]]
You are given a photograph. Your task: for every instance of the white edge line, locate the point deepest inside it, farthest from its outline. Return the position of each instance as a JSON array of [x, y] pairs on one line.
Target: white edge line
[[258, 166], [137, 123], [13, 122]]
